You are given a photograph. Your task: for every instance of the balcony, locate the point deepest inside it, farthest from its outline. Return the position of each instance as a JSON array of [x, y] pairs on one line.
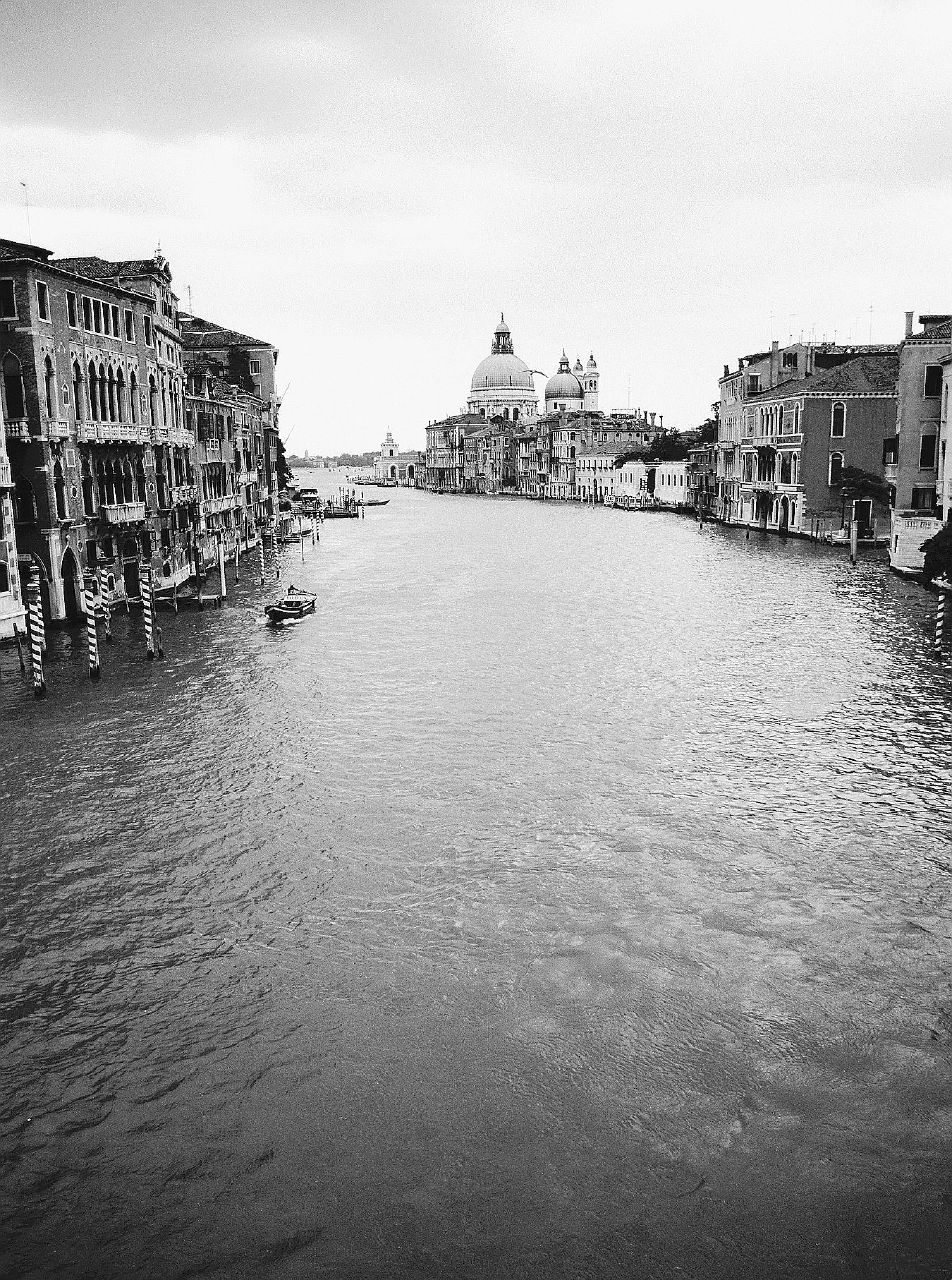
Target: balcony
[[58, 431], [18, 429], [111, 433], [212, 506], [123, 512]]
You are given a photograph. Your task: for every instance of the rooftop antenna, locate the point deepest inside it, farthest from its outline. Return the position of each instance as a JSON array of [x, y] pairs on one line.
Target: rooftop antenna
[[26, 201], [190, 311]]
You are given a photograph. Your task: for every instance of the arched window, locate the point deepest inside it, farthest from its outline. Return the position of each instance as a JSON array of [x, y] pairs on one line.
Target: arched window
[[153, 401], [4, 578], [103, 396], [128, 484], [77, 391], [140, 481], [93, 388], [24, 502], [134, 397], [120, 395], [111, 393], [836, 469], [89, 502], [49, 386], [59, 487], [515, 415], [838, 420], [13, 388]]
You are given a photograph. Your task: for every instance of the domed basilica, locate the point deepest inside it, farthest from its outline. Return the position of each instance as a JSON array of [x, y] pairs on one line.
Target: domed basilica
[[502, 385]]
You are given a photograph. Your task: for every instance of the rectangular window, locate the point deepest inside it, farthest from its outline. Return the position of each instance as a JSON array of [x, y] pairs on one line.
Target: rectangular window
[[836, 469], [927, 451], [890, 450], [97, 315], [753, 384], [43, 299], [932, 380], [87, 315], [923, 498], [71, 314], [838, 421], [8, 302], [254, 367], [115, 322], [130, 317], [147, 328]]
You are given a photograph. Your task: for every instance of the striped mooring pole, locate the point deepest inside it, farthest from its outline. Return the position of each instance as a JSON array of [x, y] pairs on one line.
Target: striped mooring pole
[[35, 618], [145, 591], [221, 567], [106, 606], [940, 618], [92, 640], [261, 554]]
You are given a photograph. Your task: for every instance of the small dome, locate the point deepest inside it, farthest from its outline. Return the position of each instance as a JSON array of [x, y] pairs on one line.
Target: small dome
[[563, 386], [501, 370], [502, 327], [591, 363]]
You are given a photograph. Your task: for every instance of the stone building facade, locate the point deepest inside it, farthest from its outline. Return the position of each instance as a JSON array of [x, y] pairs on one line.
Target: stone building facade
[[103, 466]]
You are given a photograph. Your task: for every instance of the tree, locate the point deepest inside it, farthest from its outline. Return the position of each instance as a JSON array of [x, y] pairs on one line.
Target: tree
[[857, 483], [285, 476], [669, 446], [938, 553]]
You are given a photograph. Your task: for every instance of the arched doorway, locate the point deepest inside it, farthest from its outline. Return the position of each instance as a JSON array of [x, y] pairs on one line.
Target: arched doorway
[[783, 515], [130, 568], [393, 473], [72, 590], [411, 472]]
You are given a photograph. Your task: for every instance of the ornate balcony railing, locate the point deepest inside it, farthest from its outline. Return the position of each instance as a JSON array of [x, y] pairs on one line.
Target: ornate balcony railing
[[6, 477], [123, 512], [112, 433]]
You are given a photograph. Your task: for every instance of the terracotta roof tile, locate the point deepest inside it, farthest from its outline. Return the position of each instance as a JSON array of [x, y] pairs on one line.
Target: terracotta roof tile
[[866, 375]]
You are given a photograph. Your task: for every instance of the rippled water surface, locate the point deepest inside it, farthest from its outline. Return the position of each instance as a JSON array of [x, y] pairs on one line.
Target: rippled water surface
[[569, 897]]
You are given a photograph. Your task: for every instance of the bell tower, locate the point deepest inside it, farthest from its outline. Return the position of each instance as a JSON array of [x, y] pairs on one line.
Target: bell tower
[[589, 382]]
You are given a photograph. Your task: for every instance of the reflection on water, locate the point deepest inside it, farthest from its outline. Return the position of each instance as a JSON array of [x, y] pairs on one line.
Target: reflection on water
[[568, 897]]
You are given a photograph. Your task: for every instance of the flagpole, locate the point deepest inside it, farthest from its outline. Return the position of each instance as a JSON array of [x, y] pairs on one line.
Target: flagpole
[[26, 200]]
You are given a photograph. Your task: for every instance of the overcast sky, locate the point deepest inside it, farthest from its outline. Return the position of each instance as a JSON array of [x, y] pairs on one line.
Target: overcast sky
[[368, 185]]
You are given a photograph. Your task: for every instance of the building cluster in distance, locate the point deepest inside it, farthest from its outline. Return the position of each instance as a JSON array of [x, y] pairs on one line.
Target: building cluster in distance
[[502, 444], [808, 439], [133, 434]]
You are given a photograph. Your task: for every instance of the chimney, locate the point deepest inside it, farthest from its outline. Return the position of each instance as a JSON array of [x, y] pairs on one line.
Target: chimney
[[909, 315], [774, 362], [727, 371]]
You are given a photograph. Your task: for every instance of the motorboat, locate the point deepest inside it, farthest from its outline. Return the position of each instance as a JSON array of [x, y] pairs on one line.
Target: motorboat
[[295, 603]]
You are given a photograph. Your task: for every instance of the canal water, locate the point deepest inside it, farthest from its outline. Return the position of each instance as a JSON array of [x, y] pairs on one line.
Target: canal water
[[569, 897]]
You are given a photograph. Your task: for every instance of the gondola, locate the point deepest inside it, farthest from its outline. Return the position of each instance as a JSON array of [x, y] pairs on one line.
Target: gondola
[[375, 502], [295, 603]]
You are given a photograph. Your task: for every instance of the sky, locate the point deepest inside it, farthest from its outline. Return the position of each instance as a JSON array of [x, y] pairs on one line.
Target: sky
[[368, 185]]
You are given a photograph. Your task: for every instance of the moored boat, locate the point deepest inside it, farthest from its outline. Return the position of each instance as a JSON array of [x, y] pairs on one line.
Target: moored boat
[[375, 502], [295, 603]]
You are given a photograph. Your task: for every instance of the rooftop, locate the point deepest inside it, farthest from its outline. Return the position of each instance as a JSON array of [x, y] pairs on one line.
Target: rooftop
[[94, 268], [864, 376], [198, 334], [10, 249]]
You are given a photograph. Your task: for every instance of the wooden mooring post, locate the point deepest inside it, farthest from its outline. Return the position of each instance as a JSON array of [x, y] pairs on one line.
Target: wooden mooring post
[[37, 634], [92, 638]]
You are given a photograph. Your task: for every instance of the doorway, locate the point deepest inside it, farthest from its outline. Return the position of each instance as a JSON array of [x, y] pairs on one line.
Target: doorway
[[72, 592]]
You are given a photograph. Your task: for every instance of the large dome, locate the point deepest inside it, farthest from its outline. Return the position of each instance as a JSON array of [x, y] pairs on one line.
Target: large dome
[[502, 371], [563, 386]]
